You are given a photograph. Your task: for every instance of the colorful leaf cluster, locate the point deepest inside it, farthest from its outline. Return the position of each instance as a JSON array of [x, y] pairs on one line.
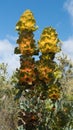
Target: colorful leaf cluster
[[26, 43], [27, 74], [49, 41], [54, 92], [26, 22]]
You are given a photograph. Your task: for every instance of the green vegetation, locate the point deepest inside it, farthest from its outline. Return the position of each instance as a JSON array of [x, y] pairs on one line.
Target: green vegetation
[[8, 107], [39, 95]]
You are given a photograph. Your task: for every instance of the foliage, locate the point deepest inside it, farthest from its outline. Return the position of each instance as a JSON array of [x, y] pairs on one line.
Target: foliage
[[8, 107], [66, 81], [66, 102]]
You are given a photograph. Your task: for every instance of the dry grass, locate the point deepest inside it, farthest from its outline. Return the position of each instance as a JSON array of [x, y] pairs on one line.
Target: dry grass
[[6, 120], [8, 110], [68, 89]]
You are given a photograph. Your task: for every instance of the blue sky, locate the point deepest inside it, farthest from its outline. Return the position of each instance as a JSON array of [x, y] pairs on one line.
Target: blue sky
[[55, 13], [47, 13]]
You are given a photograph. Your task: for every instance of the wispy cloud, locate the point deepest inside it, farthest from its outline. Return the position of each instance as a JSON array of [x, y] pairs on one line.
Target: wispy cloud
[[10, 37], [7, 55], [68, 47], [68, 5], [68, 44]]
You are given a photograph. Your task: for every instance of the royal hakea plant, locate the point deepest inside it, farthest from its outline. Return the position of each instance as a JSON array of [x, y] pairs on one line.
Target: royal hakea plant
[[38, 78]]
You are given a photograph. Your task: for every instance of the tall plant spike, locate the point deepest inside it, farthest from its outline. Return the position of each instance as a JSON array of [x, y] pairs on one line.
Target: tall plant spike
[[39, 77]]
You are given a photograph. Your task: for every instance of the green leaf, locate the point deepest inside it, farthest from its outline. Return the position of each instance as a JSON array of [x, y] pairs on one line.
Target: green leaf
[[18, 95], [17, 51]]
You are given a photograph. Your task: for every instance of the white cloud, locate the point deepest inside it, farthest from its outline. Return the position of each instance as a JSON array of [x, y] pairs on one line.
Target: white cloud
[[10, 37], [68, 44], [7, 55], [68, 5], [68, 47]]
